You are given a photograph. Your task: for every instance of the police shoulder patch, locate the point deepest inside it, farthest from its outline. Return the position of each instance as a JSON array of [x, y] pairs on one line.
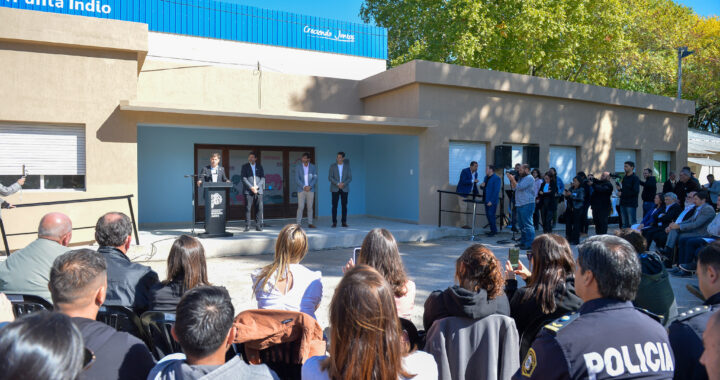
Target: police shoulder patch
[[692, 313], [561, 322], [529, 364]]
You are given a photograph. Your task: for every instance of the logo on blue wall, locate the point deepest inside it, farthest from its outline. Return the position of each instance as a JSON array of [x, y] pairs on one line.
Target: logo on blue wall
[[227, 21]]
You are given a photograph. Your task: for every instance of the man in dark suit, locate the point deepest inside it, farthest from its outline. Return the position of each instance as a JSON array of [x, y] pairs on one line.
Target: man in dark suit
[[213, 172], [669, 185], [491, 197], [253, 177], [649, 190], [340, 177], [467, 185], [600, 201]]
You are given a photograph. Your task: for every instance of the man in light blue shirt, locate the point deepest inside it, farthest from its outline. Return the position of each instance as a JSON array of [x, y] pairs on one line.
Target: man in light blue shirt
[[524, 204], [305, 179]]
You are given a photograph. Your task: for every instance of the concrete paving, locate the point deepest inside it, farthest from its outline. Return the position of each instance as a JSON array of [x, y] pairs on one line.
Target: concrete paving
[[155, 243], [431, 264]]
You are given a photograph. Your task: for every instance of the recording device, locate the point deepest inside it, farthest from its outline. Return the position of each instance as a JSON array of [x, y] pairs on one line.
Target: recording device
[[24, 172], [614, 176], [355, 251], [514, 256]]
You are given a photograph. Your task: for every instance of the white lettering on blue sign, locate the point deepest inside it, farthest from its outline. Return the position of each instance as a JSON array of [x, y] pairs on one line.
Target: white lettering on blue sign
[[328, 34], [649, 357], [93, 6]]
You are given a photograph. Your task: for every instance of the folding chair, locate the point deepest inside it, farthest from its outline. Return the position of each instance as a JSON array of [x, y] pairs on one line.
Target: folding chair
[[26, 304], [123, 319], [156, 326]]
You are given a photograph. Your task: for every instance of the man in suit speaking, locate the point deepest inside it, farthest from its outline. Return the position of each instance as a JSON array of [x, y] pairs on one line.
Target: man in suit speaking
[[213, 172], [467, 185], [340, 177]]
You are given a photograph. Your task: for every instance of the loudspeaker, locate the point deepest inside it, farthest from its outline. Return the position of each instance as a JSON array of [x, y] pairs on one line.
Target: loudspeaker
[[503, 156], [531, 156]]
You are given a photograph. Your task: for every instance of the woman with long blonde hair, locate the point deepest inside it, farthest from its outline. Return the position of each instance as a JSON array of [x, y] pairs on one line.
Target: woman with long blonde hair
[[285, 284]]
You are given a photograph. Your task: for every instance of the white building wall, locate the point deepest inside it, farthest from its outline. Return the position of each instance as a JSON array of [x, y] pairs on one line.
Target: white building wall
[[208, 51]]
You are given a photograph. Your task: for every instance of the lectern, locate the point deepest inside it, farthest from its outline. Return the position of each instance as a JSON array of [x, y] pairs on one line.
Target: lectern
[[215, 194]]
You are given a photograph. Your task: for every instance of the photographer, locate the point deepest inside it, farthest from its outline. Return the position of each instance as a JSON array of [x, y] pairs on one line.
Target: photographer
[[600, 201], [12, 189], [628, 192]]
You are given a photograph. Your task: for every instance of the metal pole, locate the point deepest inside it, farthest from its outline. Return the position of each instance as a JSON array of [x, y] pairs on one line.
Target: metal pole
[[132, 217], [2, 230], [439, 208]]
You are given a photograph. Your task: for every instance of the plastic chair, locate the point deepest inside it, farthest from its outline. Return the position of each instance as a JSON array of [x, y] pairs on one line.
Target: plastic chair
[[123, 319], [156, 326], [27, 304]]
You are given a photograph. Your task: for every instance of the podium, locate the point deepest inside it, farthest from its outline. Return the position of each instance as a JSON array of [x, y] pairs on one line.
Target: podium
[[216, 203]]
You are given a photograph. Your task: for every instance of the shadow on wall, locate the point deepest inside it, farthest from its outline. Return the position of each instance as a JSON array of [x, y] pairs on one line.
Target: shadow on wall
[[329, 95], [118, 127]]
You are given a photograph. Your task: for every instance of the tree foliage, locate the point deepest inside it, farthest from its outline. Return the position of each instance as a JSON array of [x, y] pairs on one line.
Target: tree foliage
[[627, 44]]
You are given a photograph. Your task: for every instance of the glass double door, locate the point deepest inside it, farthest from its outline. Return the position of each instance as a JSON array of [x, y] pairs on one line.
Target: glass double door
[[278, 162]]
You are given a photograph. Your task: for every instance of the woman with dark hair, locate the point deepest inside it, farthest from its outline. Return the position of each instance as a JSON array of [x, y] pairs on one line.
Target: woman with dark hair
[[650, 219], [549, 292], [478, 293], [41, 345], [366, 336], [380, 251], [285, 284], [575, 199], [538, 183], [186, 269], [548, 201]]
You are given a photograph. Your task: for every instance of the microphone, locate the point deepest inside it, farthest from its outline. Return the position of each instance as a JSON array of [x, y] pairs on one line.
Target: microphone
[[190, 175]]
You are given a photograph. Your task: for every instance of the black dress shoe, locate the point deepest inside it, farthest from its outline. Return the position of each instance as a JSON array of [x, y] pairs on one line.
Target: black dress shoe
[[247, 228], [345, 225], [258, 228], [334, 225]]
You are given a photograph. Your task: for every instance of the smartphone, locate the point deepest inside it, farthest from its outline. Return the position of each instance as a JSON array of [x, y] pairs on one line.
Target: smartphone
[[355, 252], [514, 256]]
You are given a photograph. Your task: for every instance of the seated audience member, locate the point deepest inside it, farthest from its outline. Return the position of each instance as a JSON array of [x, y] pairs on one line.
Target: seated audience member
[[129, 283], [26, 271], [654, 293], [366, 335], [42, 345], [600, 340], [687, 329], [689, 248], [550, 290], [78, 280], [711, 355], [186, 269], [695, 226], [650, 218], [285, 284], [204, 328], [674, 213], [380, 251], [479, 292]]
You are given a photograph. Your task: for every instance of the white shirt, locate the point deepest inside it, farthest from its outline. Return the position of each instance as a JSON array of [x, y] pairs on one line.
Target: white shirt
[[340, 167], [306, 169], [214, 172], [252, 166], [685, 211], [418, 363], [304, 296]]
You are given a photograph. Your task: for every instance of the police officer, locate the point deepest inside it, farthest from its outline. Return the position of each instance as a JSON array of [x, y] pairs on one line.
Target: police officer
[[607, 337], [687, 329]]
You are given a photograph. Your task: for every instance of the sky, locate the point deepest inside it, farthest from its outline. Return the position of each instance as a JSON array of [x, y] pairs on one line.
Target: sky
[[348, 10]]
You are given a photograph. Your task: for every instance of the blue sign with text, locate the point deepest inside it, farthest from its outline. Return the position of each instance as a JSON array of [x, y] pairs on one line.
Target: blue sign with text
[[228, 21]]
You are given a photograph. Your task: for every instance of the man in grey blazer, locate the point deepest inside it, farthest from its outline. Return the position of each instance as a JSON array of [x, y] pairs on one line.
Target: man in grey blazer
[[253, 177], [340, 177], [12, 189], [695, 226], [305, 179]]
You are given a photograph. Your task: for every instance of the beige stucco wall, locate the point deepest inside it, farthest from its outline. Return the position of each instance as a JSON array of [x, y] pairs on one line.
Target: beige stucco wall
[[59, 69], [502, 108]]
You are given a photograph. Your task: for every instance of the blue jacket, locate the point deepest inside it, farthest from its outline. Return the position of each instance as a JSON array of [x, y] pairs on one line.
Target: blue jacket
[[492, 189], [465, 184], [300, 177]]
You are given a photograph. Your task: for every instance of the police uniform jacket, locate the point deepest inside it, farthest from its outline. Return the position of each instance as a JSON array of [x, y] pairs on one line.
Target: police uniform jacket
[[686, 339], [605, 339]]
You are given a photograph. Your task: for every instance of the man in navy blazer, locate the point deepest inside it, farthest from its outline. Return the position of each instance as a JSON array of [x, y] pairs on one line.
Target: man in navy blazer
[[491, 197], [305, 179], [468, 185], [213, 172]]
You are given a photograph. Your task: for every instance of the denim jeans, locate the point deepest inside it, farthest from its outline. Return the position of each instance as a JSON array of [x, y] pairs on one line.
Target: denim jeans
[[525, 223], [628, 215], [491, 211]]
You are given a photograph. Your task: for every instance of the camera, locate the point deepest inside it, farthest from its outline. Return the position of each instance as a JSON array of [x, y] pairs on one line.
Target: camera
[[615, 176]]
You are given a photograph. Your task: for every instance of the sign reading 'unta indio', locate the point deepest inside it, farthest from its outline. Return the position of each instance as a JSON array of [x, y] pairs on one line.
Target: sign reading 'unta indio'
[[93, 6]]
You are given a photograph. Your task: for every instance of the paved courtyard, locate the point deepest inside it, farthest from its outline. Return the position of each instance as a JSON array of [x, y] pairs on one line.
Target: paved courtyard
[[430, 264]]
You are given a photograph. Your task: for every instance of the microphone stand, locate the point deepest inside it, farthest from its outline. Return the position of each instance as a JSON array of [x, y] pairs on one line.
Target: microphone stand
[[192, 202]]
